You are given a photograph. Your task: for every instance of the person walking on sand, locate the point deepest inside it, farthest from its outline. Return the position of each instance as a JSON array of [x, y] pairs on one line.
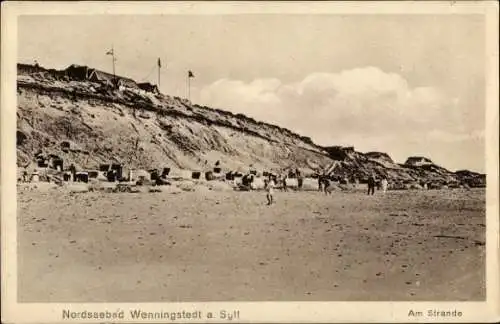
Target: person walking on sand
[[326, 185], [371, 184], [320, 182], [269, 185]]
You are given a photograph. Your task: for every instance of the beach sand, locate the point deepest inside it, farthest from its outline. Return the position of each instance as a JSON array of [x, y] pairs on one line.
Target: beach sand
[[209, 245]]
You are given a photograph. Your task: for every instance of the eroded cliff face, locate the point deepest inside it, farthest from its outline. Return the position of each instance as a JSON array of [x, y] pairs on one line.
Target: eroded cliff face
[[88, 123], [145, 130]]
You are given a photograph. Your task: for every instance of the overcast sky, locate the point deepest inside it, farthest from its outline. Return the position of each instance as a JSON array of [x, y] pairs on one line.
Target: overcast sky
[[405, 85]]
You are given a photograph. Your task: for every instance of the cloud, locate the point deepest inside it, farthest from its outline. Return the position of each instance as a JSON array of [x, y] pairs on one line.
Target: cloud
[[345, 107], [438, 135]]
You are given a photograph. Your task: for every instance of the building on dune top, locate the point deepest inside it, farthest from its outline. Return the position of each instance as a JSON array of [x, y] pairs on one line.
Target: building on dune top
[[418, 161], [84, 73], [146, 86], [29, 68]]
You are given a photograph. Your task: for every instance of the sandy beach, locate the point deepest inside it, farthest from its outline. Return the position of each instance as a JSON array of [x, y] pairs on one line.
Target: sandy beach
[[210, 245]]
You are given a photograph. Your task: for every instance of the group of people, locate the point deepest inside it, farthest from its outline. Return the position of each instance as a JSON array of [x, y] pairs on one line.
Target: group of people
[[271, 181], [323, 185], [372, 182]]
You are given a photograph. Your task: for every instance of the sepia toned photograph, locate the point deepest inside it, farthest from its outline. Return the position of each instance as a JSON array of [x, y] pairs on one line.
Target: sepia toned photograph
[[250, 157]]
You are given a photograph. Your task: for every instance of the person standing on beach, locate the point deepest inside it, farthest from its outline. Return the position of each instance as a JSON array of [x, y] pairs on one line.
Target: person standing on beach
[[300, 182], [72, 169], [371, 184], [269, 185], [320, 182], [384, 184], [283, 181]]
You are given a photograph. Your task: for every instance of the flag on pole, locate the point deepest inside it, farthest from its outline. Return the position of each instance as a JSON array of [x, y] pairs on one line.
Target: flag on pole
[[190, 74], [110, 52], [159, 62]]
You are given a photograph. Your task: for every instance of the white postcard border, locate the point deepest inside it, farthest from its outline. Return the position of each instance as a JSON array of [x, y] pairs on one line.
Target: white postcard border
[[12, 311]]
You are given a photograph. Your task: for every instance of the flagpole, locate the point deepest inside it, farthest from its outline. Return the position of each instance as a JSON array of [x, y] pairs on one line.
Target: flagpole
[[189, 88], [112, 53], [113, 58], [159, 67]]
